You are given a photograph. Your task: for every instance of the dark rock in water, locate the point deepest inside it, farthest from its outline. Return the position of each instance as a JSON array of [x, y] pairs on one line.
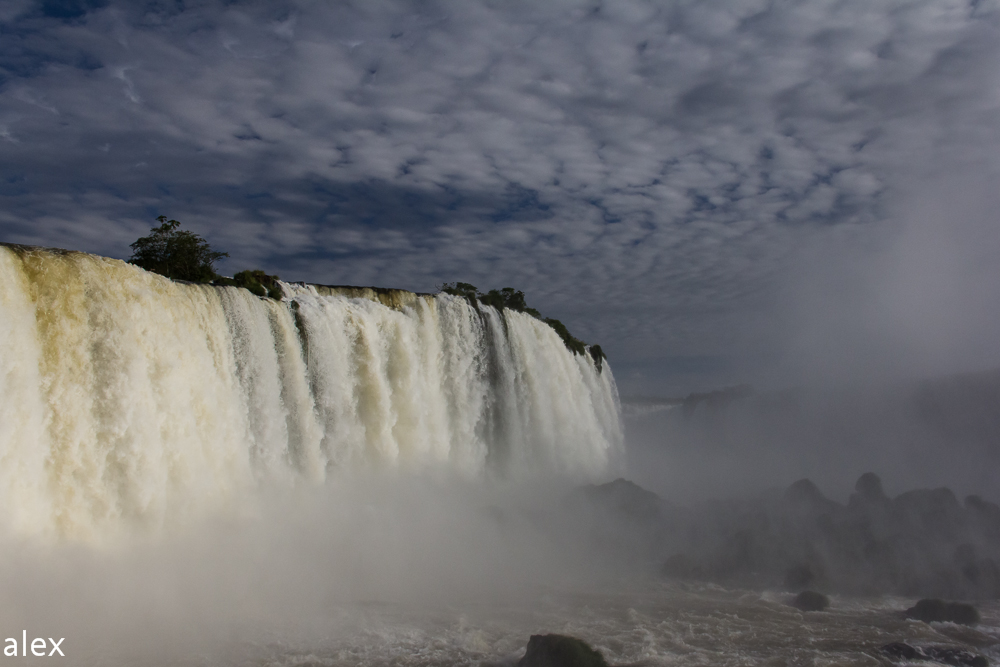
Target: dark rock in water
[[869, 487], [931, 610], [947, 655], [560, 651], [811, 601], [680, 566]]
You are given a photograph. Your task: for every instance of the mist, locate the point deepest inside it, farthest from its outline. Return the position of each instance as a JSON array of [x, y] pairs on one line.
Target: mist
[[913, 434], [874, 348], [372, 559], [196, 473], [918, 297]]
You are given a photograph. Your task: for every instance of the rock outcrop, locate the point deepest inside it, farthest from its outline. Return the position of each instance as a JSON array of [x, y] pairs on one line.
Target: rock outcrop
[[933, 610], [811, 601], [923, 543], [560, 651]]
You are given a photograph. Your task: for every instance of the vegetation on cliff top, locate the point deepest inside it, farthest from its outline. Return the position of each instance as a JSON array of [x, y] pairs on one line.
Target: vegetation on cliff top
[[256, 281], [512, 299], [183, 255], [176, 254]]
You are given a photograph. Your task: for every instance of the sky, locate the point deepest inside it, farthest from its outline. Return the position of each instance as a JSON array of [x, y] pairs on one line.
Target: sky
[[716, 191]]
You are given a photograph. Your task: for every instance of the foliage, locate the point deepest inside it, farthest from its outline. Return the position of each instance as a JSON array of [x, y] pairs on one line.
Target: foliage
[[176, 254], [512, 299], [597, 354], [256, 281], [507, 297], [573, 344], [460, 289]]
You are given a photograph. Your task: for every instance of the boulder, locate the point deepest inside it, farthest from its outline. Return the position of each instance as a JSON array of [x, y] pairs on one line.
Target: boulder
[[811, 601], [948, 655], [933, 610], [560, 651]]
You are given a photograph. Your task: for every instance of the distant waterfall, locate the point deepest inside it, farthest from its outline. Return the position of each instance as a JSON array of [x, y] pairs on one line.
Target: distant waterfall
[[128, 399]]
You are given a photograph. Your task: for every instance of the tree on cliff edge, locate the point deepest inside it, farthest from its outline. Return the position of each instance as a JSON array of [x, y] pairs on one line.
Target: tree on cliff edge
[[179, 255]]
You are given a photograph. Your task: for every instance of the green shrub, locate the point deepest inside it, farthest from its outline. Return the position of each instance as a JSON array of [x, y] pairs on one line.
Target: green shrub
[[256, 281], [573, 344], [597, 354], [461, 289], [512, 299], [179, 255]]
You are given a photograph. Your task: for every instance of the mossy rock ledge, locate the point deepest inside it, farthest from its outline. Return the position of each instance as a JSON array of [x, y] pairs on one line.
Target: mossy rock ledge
[[560, 651]]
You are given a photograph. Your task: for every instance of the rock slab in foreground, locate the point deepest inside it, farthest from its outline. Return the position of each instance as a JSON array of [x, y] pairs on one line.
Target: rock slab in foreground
[[933, 610], [947, 655], [811, 601], [560, 651]]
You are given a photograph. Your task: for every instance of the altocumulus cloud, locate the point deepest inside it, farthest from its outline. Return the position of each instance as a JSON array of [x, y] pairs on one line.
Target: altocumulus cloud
[[681, 181]]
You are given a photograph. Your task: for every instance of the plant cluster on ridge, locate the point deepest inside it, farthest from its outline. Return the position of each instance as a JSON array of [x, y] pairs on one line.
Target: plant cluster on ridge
[[256, 281], [508, 297], [184, 255], [176, 254]]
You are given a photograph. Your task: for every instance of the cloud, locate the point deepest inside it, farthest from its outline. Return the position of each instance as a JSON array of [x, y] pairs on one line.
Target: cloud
[[650, 174]]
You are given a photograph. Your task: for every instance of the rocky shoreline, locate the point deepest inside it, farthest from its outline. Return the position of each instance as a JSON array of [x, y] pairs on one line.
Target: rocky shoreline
[[921, 544]]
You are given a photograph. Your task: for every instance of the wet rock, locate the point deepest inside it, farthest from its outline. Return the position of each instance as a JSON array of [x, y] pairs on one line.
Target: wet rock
[[933, 610], [811, 601], [560, 651], [948, 655]]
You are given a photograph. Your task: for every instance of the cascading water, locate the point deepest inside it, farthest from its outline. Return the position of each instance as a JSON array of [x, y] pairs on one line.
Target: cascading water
[[128, 399]]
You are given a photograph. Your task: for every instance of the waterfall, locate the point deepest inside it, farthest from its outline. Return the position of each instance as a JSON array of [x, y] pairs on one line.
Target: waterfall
[[127, 399]]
